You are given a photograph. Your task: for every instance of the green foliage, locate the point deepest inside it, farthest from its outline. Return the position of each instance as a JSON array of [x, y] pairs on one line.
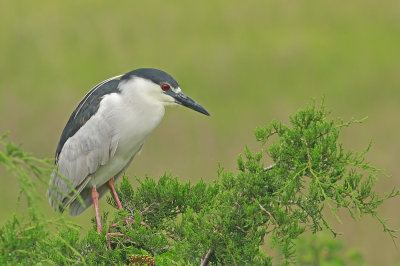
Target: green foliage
[[226, 222], [24, 166], [27, 239], [323, 250]]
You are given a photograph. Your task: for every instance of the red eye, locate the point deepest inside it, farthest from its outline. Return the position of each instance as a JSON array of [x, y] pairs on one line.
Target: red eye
[[165, 87]]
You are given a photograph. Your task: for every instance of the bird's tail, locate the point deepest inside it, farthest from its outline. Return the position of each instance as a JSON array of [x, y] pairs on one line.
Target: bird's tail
[[61, 192], [56, 191]]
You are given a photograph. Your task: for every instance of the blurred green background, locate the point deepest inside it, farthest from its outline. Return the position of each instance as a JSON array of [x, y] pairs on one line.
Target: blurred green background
[[247, 62]]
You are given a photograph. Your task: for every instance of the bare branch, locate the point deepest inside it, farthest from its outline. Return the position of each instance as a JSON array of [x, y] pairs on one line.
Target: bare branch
[[273, 218], [206, 257], [269, 167]]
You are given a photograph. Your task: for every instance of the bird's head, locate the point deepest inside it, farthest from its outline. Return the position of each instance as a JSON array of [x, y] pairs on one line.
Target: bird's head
[[159, 87]]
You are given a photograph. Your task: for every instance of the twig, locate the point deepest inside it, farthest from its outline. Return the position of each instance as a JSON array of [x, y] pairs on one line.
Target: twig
[[273, 218], [206, 257], [241, 229], [24, 229], [148, 209], [131, 211], [269, 167], [108, 235]]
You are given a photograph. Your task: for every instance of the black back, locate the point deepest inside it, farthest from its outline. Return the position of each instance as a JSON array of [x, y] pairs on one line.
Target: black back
[[85, 110]]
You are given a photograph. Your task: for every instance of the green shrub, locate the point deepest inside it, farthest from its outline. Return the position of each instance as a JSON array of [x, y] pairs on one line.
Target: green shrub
[[226, 222]]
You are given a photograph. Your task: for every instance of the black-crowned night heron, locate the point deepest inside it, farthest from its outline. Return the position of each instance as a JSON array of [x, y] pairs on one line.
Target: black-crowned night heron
[[105, 132]]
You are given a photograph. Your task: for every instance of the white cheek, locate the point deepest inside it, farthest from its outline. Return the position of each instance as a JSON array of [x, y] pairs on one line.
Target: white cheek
[[166, 99]]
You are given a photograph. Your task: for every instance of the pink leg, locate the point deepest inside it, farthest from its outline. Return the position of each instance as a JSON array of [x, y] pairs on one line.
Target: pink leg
[[95, 198], [111, 185]]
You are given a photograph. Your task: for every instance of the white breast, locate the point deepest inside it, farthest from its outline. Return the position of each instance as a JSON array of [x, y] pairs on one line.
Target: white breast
[[133, 119]]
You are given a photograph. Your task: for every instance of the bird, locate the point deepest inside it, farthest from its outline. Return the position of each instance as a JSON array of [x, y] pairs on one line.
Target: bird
[[104, 133]]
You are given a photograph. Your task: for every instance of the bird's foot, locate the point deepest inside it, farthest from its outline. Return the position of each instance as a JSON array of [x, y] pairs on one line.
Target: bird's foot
[[128, 221]]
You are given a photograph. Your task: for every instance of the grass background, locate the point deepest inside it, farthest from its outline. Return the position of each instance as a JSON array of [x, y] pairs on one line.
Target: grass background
[[247, 62]]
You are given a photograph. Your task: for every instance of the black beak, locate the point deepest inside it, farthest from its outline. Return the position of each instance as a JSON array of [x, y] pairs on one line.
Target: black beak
[[183, 99]]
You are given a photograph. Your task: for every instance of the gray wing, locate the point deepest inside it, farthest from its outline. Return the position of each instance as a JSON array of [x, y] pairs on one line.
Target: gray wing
[[82, 154], [87, 142]]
